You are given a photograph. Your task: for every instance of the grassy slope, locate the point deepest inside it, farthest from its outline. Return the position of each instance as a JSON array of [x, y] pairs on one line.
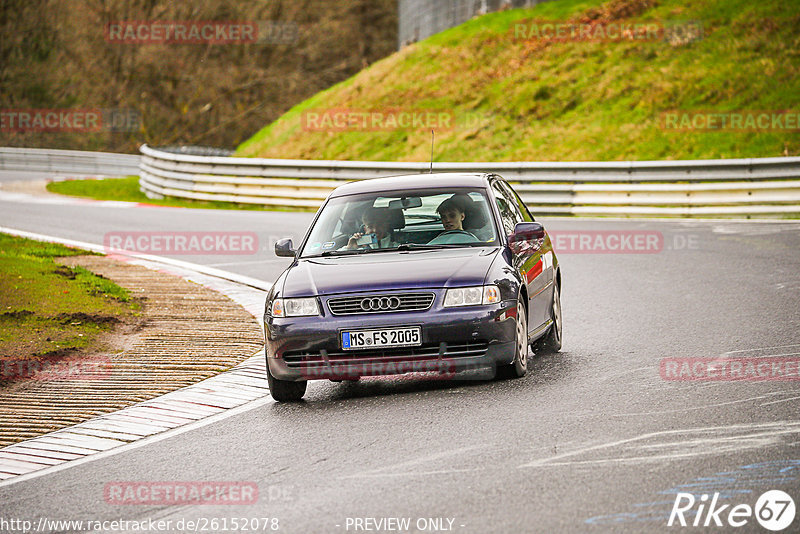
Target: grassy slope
[[570, 101], [46, 309]]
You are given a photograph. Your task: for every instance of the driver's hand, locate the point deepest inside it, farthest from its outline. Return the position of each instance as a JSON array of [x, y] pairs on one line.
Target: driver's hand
[[352, 243]]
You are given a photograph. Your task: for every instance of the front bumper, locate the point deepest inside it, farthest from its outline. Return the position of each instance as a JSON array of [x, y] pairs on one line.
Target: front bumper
[[453, 340]]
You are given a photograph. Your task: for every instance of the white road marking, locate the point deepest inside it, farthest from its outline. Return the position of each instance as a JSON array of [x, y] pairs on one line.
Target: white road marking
[[793, 345], [709, 440], [779, 401], [265, 260], [62, 200], [381, 471], [623, 373], [705, 406], [415, 473]]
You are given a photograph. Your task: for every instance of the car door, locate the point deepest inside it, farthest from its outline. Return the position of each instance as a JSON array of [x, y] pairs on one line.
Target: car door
[[543, 294], [527, 259]]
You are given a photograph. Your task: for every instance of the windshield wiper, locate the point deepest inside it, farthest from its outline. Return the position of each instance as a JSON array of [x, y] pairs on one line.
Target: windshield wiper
[[415, 246], [344, 252], [403, 247]]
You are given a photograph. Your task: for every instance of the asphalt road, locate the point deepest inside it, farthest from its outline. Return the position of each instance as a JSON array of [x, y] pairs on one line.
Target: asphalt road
[[17, 176], [593, 439]]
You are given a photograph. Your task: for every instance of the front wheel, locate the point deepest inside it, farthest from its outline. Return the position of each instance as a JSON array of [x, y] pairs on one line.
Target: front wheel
[[519, 367], [552, 341], [284, 390]]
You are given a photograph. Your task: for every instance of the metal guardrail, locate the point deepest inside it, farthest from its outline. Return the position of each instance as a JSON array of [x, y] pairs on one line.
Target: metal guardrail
[[763, 187], [68, 161]]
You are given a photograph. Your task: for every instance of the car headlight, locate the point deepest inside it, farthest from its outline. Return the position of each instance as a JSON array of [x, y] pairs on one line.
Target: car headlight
[[471, 296], [294, 307]]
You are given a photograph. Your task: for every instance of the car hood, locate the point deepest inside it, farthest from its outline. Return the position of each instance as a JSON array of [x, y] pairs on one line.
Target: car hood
[[423, 269]]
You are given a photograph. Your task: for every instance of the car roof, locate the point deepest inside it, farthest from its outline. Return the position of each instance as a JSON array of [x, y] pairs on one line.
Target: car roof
[[412, 181]]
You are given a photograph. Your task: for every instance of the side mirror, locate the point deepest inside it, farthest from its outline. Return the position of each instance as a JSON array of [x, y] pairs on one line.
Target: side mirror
[[285, 248], [527, 231]]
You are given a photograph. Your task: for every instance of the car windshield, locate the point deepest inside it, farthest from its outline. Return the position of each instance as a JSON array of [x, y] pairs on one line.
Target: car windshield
[[402, 220]]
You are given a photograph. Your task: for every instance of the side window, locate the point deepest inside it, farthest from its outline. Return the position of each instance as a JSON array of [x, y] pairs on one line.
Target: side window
[[509, 212], [522, 209]]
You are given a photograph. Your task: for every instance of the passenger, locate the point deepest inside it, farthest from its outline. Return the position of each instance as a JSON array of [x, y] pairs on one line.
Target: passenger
[[376, 221]]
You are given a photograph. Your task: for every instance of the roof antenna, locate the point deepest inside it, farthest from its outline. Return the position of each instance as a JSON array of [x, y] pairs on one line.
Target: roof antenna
[[432, 138]]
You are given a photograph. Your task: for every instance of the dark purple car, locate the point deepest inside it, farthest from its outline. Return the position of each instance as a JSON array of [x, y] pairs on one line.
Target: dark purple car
[[435, 274]]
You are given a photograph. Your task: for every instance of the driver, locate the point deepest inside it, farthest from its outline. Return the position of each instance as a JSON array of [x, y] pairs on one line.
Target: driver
[[376, 221], [452, 213]]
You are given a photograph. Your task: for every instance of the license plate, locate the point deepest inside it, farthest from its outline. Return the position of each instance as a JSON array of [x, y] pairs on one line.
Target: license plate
[[379, 339]]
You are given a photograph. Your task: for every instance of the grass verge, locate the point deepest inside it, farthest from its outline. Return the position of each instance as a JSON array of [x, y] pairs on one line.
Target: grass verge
[[48, 310], [127, 190]]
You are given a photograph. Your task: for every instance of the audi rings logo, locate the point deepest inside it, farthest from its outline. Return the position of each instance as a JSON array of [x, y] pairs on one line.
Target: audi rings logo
[[380, 304]]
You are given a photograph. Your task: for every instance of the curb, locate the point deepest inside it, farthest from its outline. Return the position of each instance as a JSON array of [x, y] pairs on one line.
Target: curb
[[240, 386]]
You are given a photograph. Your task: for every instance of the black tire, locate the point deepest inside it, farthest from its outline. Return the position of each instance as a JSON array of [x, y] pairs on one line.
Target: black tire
[[284, 390], [551, 342], [519, 366]]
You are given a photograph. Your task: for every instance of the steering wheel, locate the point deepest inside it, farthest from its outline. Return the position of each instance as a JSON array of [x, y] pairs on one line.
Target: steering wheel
[[453, 237], [449, 232]]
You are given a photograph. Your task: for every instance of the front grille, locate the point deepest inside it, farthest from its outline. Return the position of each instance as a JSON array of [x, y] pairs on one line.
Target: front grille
[[381, 303], [427, 352]]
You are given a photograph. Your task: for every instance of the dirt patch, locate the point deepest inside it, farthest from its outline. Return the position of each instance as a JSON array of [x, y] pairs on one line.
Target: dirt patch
[[16, 314], [617, 10], [81, 317], [66, 272], [53, 356]]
